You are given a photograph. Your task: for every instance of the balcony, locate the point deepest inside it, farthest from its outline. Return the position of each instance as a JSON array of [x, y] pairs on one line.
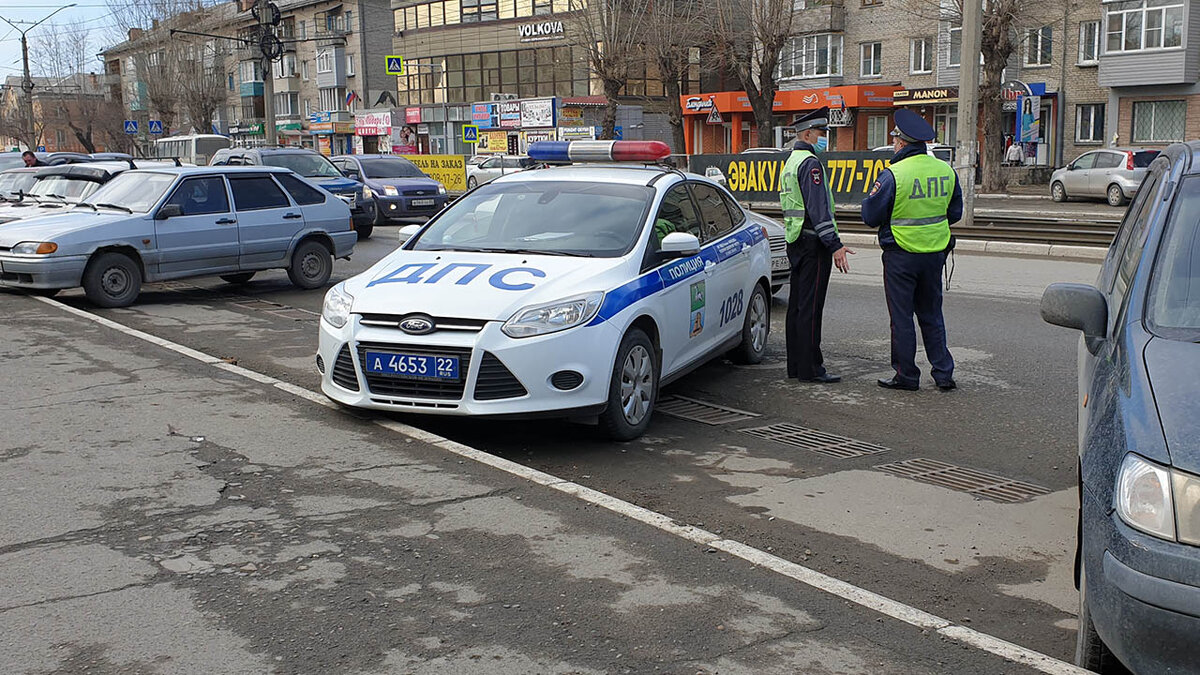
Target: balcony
[[821, 16], [247, 89]]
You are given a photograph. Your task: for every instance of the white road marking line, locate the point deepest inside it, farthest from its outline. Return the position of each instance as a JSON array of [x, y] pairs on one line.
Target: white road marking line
[[810, 577]]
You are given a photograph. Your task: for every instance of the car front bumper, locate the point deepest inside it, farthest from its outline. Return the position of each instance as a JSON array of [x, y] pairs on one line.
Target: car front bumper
[[42, 272], [499, 375], [401, 206], [1143, 593]]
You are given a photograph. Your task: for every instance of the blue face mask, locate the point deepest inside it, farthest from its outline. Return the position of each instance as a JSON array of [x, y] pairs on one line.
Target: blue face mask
[[822, 144]]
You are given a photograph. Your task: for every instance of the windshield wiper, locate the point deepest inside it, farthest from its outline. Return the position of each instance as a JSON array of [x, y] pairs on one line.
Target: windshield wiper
[[126, 209], [88, 204]]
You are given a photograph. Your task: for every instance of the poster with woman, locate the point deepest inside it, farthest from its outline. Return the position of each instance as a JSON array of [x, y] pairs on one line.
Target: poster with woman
[[1030, 119], [404, 141]]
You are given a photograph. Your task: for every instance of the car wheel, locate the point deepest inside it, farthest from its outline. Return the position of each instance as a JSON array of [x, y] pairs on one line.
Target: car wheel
[[239, 278], [633, 389], [472, 183], [379, 218], [1116, 197], [1090, 650], [1058, 192], [364, 231], [311, 265], [112, 280], [755, 328]]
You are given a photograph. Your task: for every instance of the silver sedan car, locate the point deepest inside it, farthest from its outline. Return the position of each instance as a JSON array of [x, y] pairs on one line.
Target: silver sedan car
[[1112, 174], [155, 225]]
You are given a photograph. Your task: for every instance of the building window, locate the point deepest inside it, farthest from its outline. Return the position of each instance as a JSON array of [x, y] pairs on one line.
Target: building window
[[542, 7], [1039, 46], [1089, 42], [474, 11], [877, 131], [798, 5], [872, 54], [872, 3], [348, 21], [333, 99], [248, 71], [812, 56], [1158, 121], [349, 65], [285, 67], [325, 61], [307, 107], [920, 57], [955, 47], [304, 70], [1149, 24], [287, 104], [1089, 123], [302, 30]]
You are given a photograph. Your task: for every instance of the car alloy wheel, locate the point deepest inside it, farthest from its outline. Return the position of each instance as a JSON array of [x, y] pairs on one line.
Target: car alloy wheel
[[1115, 196], [637, 385], [1058, 192]]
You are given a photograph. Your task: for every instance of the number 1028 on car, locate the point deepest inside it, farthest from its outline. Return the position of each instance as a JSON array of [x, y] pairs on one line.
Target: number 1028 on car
[[415, 366]]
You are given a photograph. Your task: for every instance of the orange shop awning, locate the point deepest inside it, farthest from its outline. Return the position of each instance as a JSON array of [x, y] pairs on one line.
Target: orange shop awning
[[849, 96]]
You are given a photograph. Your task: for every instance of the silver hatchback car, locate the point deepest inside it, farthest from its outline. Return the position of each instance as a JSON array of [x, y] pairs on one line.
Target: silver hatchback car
[[154, 225], [1112, 174]]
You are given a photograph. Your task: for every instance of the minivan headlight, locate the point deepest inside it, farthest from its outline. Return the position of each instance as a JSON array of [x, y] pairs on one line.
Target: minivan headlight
[[1143, 497], [441, 189], [336, 310], [553, 317]]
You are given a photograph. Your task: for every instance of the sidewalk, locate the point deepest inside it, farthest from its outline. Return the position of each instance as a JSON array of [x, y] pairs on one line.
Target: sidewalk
[[165, 513]]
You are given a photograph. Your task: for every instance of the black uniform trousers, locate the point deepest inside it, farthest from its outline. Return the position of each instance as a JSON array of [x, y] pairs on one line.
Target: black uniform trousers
[[913, 285], [811, 264]]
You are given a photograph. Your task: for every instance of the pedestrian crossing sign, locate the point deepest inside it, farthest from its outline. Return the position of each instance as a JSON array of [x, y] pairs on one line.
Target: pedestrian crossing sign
[[394, 65], [470, 133], [156, 126], [131, 126]]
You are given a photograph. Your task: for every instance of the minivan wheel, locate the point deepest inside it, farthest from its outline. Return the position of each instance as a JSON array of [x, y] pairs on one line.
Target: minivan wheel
[[364, 231], [1090, 650], [1116, 197], [112, 280], [633, 389], [1058, 192], [311, 265], [472, 183]]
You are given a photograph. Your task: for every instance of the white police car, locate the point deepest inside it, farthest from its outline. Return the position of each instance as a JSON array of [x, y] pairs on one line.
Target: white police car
[[554, 291]]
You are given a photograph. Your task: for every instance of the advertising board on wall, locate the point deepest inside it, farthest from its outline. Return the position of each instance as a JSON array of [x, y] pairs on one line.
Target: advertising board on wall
[[756, 177], [536, 113], [449, 170]]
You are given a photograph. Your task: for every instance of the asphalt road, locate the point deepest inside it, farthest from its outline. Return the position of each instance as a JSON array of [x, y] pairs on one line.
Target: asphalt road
[[205, 536]]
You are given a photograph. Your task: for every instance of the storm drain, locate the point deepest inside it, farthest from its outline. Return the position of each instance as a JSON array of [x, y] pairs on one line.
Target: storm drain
[[294, 313], [963, 479], [700, 411], [817, 441], [259, 304]]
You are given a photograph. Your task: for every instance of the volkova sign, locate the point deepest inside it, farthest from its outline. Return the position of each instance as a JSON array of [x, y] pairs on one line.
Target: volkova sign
[[547, 30]]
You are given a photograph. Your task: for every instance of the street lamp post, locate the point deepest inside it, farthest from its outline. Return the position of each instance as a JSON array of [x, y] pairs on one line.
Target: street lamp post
[[27, 82]]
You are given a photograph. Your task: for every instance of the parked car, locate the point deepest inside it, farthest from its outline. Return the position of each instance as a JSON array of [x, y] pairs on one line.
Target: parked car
[[154, 225], [15, 183], [942, 152], [62, 186], [11, 160], [393, 186], [313, 166], [761, 151], [104, 156], [496, 166], [1112, 174], [1138, 551]]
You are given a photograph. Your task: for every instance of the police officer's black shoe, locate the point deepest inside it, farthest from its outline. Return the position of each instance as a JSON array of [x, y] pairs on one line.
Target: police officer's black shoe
[[893, 383], [824, 378], [947, 385]]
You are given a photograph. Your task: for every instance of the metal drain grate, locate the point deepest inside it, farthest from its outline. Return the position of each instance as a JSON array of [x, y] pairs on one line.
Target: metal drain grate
[[963, 479], [259, 304], [817, 441], [294, 313], [700, 411]]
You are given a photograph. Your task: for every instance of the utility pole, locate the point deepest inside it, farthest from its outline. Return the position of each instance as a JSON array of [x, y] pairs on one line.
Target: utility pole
[[27, 81], [271, 48], [968, 106]]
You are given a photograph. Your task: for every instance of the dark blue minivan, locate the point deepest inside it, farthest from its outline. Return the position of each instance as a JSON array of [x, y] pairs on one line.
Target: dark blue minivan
[[1138, 552], [395, 187], [312, 165]]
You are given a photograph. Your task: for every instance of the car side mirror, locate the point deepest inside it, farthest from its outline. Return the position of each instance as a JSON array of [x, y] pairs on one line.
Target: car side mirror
[[168, 211], [408, 232], [1077, 306], [679, 245], [352, 174]]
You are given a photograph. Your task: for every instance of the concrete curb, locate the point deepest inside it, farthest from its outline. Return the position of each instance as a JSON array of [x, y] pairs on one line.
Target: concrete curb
[[1007, 196], [1002, 248]]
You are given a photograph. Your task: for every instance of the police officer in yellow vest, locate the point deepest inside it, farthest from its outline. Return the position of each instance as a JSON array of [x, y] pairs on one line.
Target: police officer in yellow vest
[[912, 204], [813, 247]]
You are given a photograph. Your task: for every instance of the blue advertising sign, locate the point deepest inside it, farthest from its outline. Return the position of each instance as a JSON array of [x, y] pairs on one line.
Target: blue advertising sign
[[483, 115]]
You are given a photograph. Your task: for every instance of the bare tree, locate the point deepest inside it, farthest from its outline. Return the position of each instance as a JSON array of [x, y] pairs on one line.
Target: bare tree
[[203, 83], [610, 33], [748, 37], [68, 94], [673, 30], [1006, 25]]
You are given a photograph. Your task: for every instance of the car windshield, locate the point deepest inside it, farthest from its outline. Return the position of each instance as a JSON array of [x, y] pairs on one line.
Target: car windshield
[[309, 166], [395, 167], [67, 187], [135, 190], [1173, 307], [12, 184], [548, 217], [11, 160]]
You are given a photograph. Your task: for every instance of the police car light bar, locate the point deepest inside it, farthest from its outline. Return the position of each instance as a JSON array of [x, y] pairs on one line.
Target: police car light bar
[[599, 151]]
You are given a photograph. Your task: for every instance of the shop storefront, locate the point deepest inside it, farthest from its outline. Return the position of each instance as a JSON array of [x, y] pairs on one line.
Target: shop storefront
[[373, 133], [291, 134], [723, 122], [333, 136], [247, 135]]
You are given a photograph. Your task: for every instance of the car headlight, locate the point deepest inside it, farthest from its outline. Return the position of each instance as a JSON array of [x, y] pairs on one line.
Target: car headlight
[[1187, 506], [367, 192], [35, 248], [390, 190], [1143, 498], [553, 317], [337, 306], [441, 189]]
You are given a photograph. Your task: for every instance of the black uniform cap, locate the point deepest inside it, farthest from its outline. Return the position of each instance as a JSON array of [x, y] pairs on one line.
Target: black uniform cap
[[912, 127], [817, 119]]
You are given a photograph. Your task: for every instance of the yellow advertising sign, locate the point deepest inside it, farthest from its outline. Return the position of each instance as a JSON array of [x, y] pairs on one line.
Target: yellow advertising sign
[[492, 142], [449, 170], [850, 175]]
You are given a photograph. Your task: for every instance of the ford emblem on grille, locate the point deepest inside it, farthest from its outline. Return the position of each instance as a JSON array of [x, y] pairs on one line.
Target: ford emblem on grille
[[417, 325]]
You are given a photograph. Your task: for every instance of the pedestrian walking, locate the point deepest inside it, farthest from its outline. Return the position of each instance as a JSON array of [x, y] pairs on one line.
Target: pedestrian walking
[[813, 247], [912, 205]]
